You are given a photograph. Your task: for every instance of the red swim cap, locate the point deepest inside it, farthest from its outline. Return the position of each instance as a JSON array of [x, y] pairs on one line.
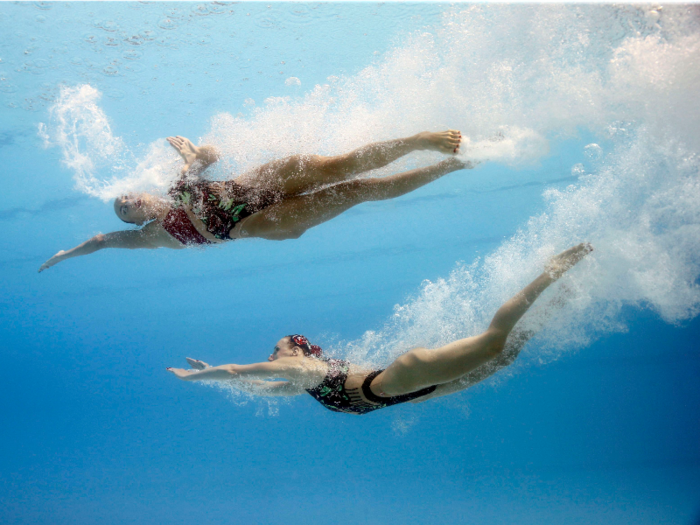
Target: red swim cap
[[302, 342]]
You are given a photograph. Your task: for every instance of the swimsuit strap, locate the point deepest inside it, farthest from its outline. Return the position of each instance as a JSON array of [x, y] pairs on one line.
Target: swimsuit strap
[[394, 400], [333, 395], [179, 225]]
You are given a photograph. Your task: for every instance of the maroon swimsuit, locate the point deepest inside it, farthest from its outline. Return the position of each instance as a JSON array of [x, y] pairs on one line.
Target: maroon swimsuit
[[219, 205], [179, 225]]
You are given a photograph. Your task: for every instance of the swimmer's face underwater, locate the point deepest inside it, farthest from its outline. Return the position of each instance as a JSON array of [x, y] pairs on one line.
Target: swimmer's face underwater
[[133, 208], [284, 348]]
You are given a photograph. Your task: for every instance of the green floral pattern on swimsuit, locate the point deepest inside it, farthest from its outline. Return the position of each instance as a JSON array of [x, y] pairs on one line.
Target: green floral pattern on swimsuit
[[221, 205]]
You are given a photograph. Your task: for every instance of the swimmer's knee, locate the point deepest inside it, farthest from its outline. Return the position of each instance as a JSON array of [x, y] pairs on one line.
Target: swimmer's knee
[[311, 162], [360, 190], [294, 163], [415, 358], [287, 166], [494, 341], [337, 165]]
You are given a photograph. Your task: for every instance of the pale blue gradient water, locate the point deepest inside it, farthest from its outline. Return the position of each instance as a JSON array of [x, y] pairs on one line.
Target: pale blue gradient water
[[94, 430]]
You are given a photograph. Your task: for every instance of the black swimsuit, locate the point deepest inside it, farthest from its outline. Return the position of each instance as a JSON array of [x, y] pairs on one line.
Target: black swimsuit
[[333, 395]]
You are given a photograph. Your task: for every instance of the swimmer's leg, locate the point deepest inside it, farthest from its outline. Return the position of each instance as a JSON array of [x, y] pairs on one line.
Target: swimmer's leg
[[420, 367], [302, 173], [290, 218], [515, 342]]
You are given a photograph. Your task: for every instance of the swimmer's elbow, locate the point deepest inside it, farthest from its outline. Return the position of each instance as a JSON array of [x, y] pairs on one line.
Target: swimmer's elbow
[[102, 241], [232, 370], [98, 242]]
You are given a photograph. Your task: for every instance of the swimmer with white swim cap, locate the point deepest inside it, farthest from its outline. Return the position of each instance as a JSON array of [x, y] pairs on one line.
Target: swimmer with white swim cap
[[276, 201]]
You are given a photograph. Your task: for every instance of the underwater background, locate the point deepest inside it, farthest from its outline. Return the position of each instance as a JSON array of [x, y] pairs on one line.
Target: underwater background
[[597, 421]]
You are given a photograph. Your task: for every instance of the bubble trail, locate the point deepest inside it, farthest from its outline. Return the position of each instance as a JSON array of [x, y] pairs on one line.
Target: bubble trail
[[512, 79]]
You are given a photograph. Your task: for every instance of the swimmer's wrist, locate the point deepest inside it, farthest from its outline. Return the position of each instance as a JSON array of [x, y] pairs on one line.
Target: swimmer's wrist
[[207, 154]]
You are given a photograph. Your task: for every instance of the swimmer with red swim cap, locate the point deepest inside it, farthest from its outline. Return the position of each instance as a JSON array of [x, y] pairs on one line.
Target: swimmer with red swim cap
[[296, 366]]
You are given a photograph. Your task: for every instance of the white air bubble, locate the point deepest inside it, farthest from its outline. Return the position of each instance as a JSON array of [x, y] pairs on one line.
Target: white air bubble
[[593, 151], [82, 131], [513, 79]]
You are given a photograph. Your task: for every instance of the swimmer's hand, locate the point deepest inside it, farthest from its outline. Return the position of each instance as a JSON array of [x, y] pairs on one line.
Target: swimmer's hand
[[204, 155], [182, 373], [185, 148], [54, 260], [197, 364]]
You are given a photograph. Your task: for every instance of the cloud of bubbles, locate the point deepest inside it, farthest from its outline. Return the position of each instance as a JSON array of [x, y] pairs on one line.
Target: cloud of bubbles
[[512, 79]]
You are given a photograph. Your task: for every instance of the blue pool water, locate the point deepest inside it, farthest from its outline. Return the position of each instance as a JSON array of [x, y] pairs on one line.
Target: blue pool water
[[597, 422]]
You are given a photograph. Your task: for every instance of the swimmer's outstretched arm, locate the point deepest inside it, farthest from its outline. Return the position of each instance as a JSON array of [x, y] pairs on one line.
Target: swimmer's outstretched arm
[[197, 158], [270, 388], [255, 386], [279, 369], [131, 239]]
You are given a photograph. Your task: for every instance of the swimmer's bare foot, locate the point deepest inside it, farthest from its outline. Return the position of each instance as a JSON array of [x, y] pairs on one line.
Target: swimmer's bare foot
[[197, 364], [442, 141], [560, 264]]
